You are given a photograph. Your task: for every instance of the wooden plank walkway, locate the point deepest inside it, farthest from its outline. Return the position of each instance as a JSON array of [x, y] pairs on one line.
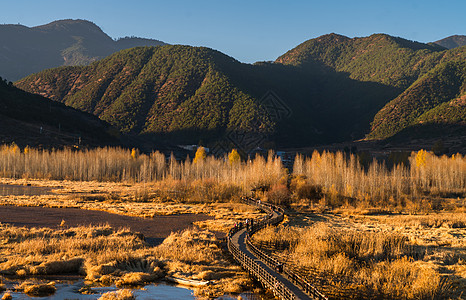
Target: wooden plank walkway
[[239, 239], [285, 285]]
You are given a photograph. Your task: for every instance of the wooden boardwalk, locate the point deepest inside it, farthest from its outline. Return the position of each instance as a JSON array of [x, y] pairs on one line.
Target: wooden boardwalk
[[261, 266]]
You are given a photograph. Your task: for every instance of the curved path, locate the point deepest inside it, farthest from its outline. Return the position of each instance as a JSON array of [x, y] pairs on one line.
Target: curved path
[[260, 265]]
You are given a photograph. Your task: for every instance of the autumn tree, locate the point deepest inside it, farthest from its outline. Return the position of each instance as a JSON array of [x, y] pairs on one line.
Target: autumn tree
[[234, 157], [200, 155]]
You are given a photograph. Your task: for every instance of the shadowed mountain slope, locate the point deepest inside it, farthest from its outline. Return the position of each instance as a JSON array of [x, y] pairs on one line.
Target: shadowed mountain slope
[[25, 50]]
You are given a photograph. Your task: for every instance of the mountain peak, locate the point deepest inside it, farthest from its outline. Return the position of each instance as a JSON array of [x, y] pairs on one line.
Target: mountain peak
[[66, 23], [26, 50], [332, 37], [453, 41], [73, 27]]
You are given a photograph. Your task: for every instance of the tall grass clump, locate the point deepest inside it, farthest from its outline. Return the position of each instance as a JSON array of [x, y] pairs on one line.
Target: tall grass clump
[[364, 265]]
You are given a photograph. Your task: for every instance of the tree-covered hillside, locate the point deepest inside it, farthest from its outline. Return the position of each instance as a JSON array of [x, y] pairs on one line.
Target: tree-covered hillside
[[426, 76], [453, 41], [436, 98], [197, 93], [155, 90], [29, 119], [325, 90], [379, 58]]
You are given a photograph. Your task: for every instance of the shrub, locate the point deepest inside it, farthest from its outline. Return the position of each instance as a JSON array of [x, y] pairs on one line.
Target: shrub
[[279, 195]]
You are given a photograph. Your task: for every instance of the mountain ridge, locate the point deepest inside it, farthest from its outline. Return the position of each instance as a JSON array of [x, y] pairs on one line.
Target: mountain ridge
[[27, 50], [29, 119], [335, 89], [452, 42]]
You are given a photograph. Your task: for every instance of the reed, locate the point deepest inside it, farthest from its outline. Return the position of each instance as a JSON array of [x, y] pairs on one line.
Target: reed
[[366, 265], [122, 165], [342, 180], [334, 179]]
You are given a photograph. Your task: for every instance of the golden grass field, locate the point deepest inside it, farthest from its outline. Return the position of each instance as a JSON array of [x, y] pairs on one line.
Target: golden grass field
[[107, 256], [399, 256], [122, 198], [358, 231]]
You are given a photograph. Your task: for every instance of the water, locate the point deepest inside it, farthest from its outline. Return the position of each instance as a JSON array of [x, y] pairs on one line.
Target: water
[[70, 290], [20, 190], [159, 291]]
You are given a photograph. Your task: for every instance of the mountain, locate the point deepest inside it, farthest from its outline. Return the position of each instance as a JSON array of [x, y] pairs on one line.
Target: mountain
[[194, 93], [429, 78], [25, 50], [453, 41], [154, 90], [329, 89], [378, 58], [33, 120], [437, 99]]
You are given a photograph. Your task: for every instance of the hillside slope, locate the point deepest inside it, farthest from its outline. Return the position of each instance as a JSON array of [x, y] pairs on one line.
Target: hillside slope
[[326, 90], [426, 76], [25, 50], [33, 120], [193, 93], [378, 58], [437, 98], [453, 41], [154, 90]]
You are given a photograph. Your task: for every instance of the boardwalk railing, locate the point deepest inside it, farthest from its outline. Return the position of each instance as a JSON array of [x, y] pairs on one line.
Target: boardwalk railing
[[261, 274], [269, 281]]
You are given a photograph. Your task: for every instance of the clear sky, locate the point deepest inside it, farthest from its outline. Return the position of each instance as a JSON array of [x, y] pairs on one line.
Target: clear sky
[[248, 30]]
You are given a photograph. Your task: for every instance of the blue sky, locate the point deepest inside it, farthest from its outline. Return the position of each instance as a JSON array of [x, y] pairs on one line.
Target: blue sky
[[249, 30]]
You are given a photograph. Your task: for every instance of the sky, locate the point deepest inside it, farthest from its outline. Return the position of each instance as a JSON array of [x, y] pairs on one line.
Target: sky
[[251, 30]]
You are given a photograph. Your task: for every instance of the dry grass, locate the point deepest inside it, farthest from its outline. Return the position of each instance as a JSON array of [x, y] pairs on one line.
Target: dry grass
[[124, 294], [334, 179], [338, 180], [118, 198], [7, 296], [354, 254], [109, 256], [371, 257], [197, 255], [206, 179], [37, 290], [79, 250]]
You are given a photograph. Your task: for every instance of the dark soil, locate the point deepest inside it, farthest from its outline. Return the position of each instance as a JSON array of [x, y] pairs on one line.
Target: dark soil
[[155, 230]]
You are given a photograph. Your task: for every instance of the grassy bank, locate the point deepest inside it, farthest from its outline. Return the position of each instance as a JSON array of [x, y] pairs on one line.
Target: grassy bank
[[107, 256], [382, 256]]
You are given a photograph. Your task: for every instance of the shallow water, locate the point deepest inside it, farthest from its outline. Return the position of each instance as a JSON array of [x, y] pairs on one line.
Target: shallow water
[[20, 190], [70, 290]]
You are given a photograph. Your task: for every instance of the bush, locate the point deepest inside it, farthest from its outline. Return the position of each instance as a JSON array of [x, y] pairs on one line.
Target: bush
[[304, 190], [279, 195]]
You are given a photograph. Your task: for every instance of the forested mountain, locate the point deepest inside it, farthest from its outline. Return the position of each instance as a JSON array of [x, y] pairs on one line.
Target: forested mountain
[[25, 50], [426, 76], [33, 120], [378, 58], [327, 89], [437, 99], [176, 91], [453, 41]]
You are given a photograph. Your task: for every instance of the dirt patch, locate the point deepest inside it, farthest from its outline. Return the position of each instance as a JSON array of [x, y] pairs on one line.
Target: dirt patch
[[154, 229]]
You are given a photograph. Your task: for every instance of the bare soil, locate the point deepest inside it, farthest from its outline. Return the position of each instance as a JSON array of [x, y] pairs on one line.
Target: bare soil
[[154, 229]]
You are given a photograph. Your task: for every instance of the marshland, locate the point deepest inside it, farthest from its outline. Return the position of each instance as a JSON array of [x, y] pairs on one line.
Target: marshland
[[354, 229]]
